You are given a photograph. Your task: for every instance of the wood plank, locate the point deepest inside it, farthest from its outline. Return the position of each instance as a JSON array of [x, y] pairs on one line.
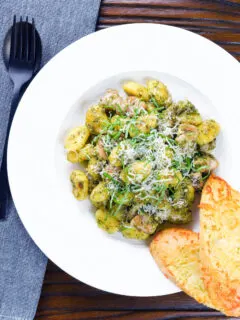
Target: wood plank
[[219, 26], [122, 315], [231, 3], [194, 14], [60, 288], [190, 4], [93, 300]]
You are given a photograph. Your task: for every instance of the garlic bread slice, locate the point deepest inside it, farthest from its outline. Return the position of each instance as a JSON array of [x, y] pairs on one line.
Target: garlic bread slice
[[220, 244], [176, 251]]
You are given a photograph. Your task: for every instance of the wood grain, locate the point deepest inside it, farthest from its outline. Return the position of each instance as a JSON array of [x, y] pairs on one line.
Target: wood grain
[[218, 21], [127, 315], [64, 298]]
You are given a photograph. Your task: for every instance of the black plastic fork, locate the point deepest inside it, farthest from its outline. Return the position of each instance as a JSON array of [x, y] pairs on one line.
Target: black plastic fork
[[22, 53], [21, 65]]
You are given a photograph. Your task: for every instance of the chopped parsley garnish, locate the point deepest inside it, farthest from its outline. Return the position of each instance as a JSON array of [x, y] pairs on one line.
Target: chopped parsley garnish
[[155, 103]]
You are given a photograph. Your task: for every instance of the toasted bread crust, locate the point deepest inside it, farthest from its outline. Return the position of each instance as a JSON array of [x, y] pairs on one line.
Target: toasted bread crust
[[176, 251], [220, 244]]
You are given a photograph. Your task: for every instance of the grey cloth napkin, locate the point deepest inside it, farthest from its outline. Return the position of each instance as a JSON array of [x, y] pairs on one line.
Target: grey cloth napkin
[[22, 264]]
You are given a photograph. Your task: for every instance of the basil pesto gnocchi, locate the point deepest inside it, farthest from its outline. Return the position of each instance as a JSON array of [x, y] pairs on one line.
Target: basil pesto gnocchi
[[145, 156]]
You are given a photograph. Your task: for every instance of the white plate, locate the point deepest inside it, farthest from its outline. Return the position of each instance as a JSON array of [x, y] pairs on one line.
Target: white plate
[[57, 100]]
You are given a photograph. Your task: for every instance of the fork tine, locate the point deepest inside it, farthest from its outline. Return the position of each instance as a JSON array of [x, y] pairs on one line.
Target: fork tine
[[13, 39], [27, 39], [33, 43], [20, 49]]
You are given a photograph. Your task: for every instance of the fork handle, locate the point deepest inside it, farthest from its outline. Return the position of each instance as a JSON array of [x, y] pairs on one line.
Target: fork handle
[[4, 186]]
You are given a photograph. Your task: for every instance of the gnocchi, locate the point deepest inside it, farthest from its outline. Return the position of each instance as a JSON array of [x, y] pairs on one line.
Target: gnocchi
[[107, 222], [77, 138], [208, 131], [79, 182], [96, 119], [99, 195]]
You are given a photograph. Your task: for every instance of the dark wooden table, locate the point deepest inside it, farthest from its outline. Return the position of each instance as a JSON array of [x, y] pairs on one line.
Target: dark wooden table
[[64, 298]]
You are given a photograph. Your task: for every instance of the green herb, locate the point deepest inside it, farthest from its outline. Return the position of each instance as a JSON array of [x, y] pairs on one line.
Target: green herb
[[95, 140], [108, 176], [117, 135], [111, 200], [206, 176], [125, 227], [162, 193], [161, 190], [184, 165], [122, 201], [171, 191], [155, 103], [119, 109], [170, 141], [201, 168], [188, 163], [129, 124], [118, 209], [108, 106]]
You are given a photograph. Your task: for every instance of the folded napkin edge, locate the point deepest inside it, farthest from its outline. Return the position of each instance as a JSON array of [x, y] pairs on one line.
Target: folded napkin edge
[[3, 317]]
